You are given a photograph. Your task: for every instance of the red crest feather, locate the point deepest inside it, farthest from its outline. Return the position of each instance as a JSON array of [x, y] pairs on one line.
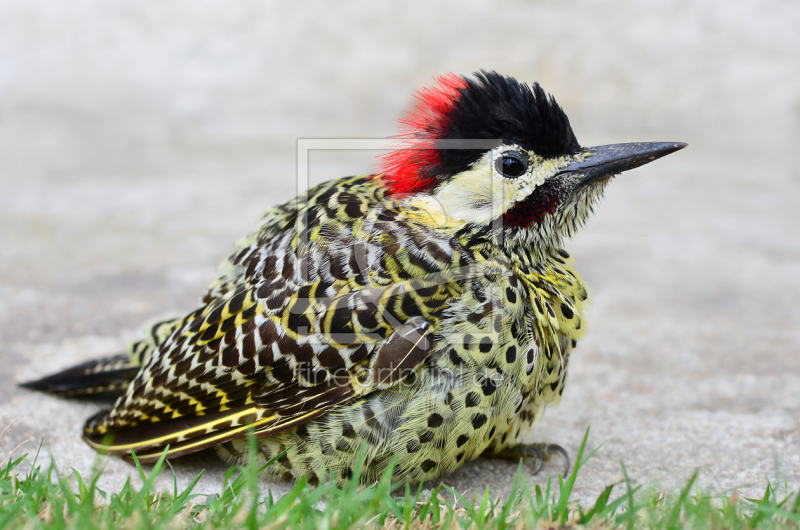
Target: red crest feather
[[410, 167]]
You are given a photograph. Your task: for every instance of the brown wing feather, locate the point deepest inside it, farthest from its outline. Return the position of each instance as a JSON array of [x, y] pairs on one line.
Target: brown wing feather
[[292, 337], [272, 413]]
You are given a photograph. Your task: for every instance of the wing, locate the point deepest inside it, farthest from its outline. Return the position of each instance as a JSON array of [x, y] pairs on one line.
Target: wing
[[340, 302]]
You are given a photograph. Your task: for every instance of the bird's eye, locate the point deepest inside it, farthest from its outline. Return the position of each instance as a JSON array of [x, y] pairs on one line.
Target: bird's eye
[[512, 164]]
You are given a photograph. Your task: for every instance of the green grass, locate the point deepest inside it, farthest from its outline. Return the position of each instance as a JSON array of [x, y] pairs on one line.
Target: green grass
[[33, 496]]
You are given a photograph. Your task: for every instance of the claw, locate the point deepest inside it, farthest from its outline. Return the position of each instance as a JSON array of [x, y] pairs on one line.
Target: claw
[[535, 452], [539, 452], [560, 451]]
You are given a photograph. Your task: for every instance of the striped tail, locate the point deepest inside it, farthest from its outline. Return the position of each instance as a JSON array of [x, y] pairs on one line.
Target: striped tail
[[102, 378], [107, 377]]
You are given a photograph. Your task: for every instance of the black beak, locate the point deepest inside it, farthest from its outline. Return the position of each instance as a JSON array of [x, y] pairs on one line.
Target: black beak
[[606, 160]]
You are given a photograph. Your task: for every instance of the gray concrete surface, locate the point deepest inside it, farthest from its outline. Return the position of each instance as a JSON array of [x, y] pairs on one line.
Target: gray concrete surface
[[138, 141]]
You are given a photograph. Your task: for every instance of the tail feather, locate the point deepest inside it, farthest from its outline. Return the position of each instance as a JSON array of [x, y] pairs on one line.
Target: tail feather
[[107, 377], [102, 378]]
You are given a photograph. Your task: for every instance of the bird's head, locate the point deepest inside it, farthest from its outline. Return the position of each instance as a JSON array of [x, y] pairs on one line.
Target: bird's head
[[490, 153]]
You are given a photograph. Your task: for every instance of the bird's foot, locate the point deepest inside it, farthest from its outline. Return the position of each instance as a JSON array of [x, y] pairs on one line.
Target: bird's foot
[[540, 452]]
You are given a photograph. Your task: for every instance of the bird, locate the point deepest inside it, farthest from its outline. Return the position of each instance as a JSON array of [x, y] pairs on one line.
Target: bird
[[401, 322]]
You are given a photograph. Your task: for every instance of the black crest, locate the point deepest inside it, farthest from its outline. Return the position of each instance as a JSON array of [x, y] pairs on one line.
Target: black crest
[[493, 106]]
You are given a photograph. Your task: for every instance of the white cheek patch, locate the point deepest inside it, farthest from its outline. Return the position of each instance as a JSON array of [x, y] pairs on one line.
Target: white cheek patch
[[470, 196], [481, 194]]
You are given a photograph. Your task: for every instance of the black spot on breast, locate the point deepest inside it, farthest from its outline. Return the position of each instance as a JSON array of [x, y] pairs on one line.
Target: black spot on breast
[[369, 417], [285, 462], [488, 386], [413, 446], [427, 465], [485, 345], [459, 457], [461, 440], [454, 358], [472, 399], [435, 420], [478, 420], [530, 356], [348, 431], [426, 437], [302, 432], [467, 341], [566, 311], [491, 433], [511, 354], [511, 296]]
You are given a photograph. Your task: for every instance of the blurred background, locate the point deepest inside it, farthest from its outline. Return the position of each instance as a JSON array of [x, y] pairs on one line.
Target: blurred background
[[139, 140]]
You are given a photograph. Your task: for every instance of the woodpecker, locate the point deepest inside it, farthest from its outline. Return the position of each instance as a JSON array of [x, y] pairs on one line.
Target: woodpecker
[[421, 316]]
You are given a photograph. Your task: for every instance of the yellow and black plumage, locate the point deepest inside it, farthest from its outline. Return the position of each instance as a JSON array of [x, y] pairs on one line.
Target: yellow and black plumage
[[426, 312]]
